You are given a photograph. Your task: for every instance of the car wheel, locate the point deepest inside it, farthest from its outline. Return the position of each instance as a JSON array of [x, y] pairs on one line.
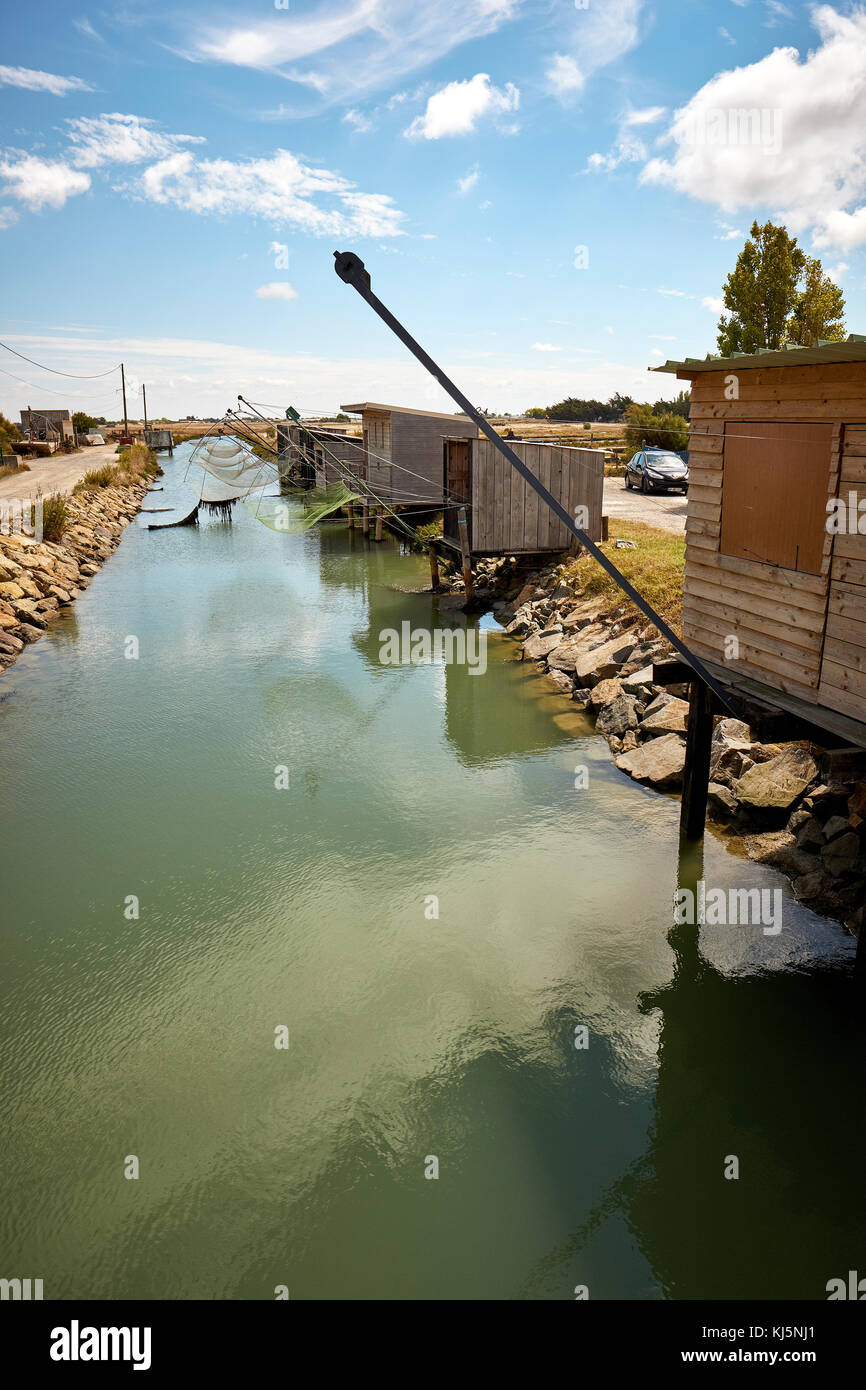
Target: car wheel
[[628, 482], [644, 486]]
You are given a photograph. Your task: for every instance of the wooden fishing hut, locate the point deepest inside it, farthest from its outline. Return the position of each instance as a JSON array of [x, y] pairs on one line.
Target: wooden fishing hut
[[403, 450], [776, 528], [505, 516]]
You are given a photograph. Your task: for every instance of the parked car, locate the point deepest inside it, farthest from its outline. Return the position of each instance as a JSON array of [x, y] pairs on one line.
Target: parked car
[[657, 470]]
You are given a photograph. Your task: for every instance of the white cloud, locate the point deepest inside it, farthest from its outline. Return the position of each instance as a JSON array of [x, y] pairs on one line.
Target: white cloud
[[647, 115], [469, 180], [84, 27], [675, 294], [714, 303], [836, 272], [358, 121], [808, 166], [545, 347], [278, 187], [563, 75], [723, 34], [117, 139], [337, 49], [457, 108], [277, 289], [34, 81], [629, 147], [199, 376], [40, 183], [656, 352], [596, 36], [8, 216]]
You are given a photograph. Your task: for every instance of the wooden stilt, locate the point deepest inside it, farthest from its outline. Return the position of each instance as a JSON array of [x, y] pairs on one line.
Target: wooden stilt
[[350, 513], [463, 533], [605, 527], [696, 773], [379, 519], [434, 569], [365, 519]]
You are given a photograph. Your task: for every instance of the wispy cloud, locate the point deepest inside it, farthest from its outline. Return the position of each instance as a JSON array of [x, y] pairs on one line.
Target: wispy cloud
[[469, 180], [337, 49], [33, 81], [118, 139], [593, 38], [545, 347]]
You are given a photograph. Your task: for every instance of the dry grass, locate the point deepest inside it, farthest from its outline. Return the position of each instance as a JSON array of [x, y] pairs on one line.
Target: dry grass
[[135, 464], [655, 569], [9, 470]]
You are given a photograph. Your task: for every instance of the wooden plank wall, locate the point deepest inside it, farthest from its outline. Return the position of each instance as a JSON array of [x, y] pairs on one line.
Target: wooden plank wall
[[377, 452], [778, 615], [509, 517], [843, 669], [417, 449]]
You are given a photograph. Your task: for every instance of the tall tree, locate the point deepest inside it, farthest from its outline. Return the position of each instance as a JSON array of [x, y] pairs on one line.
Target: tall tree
[[776, 294], [820, 310]]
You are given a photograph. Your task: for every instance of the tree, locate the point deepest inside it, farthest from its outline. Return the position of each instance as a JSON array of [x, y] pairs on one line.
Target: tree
[[85, 424], [643, 426], [820, 310], [680, 405], [776, 294], [9, 435]]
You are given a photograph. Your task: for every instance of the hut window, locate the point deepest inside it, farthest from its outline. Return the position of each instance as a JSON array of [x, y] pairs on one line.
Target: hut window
[[775, 483]]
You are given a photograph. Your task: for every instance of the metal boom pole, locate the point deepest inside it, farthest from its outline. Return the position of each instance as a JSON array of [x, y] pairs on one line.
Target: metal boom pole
[[352, 270]]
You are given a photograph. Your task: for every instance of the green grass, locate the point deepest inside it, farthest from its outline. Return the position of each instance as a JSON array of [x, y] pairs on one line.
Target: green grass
[[655, 569]]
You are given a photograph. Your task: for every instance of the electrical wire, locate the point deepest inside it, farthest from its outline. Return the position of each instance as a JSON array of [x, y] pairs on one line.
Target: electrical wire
[[78, 376]]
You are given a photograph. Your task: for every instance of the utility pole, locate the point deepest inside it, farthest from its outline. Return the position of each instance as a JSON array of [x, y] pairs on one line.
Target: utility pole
[[144, 402], [123, 385]]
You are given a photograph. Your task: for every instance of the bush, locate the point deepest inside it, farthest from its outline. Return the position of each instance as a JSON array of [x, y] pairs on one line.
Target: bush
[[656, 431], [106, 476], [55, 516]]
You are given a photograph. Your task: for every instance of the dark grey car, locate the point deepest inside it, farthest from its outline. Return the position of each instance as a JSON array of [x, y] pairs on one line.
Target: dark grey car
[[657, 470]]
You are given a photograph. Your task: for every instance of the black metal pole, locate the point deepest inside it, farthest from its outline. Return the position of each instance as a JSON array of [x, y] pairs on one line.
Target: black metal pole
[[352, 270]]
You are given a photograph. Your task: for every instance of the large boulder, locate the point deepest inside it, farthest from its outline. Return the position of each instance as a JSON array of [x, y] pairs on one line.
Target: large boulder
[[605, 693], [659, 761], [779, 848], [618, 716], [779, 782], [539, 646], [588, 668], [670, 718], [843, 855]]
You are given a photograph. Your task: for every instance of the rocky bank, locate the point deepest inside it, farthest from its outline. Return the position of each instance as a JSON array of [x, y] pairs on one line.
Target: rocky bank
[[39, 578], [774, 798]]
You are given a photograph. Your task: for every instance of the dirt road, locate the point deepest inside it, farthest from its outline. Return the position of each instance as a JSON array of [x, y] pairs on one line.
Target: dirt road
[[664, 509], [59, 473]]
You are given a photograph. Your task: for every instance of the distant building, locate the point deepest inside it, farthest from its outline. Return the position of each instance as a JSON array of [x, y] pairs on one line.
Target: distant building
[[403, 450], [50, 426]]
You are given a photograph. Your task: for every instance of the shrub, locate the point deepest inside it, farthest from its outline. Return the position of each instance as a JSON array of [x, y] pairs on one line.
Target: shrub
[[55, 515]]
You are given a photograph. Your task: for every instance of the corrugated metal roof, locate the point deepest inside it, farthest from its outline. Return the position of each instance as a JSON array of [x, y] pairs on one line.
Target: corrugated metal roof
[[853, 349]]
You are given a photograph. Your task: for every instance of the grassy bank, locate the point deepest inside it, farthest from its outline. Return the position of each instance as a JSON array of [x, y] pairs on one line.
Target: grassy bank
[[136, 464], [655, 568]]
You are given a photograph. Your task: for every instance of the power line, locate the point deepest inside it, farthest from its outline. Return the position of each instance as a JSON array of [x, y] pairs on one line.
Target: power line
[[79, 376]]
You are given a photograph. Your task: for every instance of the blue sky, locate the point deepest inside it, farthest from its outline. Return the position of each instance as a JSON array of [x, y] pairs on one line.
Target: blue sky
[[549, 194]]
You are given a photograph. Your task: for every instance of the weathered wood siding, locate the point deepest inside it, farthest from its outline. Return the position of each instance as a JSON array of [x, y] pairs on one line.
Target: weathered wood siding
[[377, 452], [779, 615], [417, 455], [509, 517]]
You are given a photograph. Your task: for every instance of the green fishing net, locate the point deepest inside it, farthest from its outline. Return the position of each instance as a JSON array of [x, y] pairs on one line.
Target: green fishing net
[[297, 509]]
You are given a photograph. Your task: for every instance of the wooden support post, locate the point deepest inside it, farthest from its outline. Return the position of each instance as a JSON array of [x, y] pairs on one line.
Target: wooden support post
[[350, 513], [380, 515], [434, 569], [696, 773], [463, 533], [365, 519], [605, 527]]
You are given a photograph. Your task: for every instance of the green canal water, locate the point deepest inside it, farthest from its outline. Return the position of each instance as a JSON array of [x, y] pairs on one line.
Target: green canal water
[[411, 1036]]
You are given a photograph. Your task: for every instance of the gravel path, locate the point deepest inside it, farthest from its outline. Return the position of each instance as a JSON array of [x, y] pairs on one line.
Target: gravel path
[[59, 473], [664, 509]]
